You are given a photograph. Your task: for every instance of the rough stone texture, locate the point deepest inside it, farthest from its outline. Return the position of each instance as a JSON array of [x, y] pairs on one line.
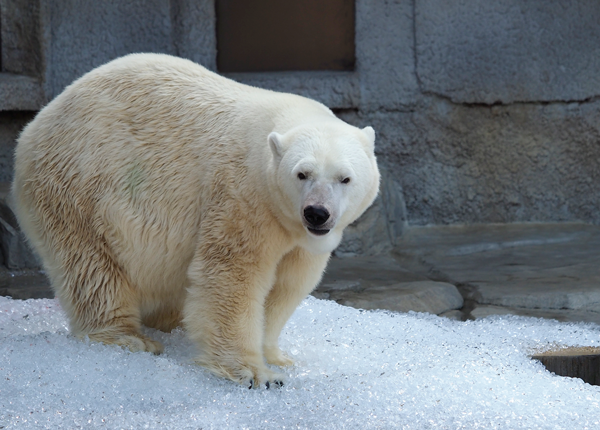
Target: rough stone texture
[[385, 54], [21, 59], [379, 229], [24, 284], [422, 296], [455, 315], [81, 35], [360, 273], [552, 268], [194, 31], [20, 35], [479, 51], [380, 283], [19, 92], [16, 253], [499, 164], [11, 124]]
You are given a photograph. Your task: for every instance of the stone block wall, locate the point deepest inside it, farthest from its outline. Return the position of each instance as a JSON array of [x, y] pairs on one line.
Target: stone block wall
[[487, 52], [484, 111]]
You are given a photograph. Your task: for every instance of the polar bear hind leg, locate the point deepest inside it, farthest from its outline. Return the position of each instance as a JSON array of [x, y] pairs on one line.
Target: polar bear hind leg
[[104, 306], [91, 286]]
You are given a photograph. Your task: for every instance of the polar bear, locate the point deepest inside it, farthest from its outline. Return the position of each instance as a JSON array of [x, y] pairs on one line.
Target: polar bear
[[159, 193]]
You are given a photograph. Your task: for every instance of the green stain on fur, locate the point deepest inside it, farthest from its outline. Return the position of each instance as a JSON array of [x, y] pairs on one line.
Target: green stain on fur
[[133, 181]]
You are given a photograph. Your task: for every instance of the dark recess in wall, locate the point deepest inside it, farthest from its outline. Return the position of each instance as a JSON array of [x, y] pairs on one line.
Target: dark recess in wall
[[275, 35]]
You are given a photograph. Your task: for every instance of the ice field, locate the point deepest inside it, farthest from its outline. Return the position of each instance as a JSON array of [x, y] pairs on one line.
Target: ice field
[[354, 370]]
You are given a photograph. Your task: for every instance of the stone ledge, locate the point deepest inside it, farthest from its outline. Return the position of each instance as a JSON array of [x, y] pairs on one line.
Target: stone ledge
[[25, 284], [18, 92], [378, 282], [562, 315], [421, 296]]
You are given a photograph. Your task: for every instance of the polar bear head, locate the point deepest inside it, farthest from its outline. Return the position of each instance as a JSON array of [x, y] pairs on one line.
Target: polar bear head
[[327, 177]]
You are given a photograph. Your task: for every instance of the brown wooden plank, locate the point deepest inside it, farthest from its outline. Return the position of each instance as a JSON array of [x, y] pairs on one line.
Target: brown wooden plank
[[583, 363]]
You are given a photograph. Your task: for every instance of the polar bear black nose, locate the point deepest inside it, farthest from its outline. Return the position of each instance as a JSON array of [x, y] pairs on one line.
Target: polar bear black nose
[[316, 215]]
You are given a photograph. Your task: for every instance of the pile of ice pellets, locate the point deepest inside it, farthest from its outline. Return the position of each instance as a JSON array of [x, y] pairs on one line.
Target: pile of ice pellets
[[354, 370]]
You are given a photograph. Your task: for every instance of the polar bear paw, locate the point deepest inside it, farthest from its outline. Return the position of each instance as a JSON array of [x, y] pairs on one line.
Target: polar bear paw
[[276, 357], [264, 378], [133, 342], [276, 384], [248, 375]]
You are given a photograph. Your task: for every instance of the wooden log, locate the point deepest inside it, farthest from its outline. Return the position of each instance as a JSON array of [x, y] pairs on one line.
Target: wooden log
[[574, 362]]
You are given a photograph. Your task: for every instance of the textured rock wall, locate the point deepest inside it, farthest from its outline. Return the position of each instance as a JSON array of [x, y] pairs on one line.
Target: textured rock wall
[[11, 124], [480, 51], [461, 163], [496, 116], [484, 111], [81, 35]]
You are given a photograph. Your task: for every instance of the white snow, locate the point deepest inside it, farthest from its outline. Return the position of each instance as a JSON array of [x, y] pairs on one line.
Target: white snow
[[354, 369]]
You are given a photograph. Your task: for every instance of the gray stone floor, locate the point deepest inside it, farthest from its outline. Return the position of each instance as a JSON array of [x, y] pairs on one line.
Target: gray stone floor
[[461, 272], [539, 270]]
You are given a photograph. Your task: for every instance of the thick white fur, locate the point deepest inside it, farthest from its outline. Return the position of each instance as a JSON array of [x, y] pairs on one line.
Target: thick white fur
[[157, 192]]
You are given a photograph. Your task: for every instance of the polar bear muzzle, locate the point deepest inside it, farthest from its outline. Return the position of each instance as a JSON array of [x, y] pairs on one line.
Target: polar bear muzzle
[[316, 217]]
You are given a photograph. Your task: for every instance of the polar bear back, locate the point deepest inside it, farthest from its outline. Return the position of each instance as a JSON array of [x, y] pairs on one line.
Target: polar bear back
[[148, 133]]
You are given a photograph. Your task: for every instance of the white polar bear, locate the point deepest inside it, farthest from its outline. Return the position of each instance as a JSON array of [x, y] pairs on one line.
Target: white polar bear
[[157, 192]]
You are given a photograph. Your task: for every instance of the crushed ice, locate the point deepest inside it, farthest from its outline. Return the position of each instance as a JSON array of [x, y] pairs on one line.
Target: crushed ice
[[354, 369]]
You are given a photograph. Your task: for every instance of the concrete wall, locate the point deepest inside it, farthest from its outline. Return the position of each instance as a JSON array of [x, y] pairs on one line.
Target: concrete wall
[[484, 111]]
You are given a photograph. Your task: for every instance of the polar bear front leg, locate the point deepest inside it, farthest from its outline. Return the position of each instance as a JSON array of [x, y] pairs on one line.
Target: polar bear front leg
[[224, 315], [298, 273]]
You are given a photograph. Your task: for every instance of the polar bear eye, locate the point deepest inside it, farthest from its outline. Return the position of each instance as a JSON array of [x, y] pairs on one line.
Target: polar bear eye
[[345, 180], [301, 176]]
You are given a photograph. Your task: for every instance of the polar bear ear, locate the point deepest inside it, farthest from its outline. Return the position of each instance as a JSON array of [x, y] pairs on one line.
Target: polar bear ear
[[370, 133], [276, 144]]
